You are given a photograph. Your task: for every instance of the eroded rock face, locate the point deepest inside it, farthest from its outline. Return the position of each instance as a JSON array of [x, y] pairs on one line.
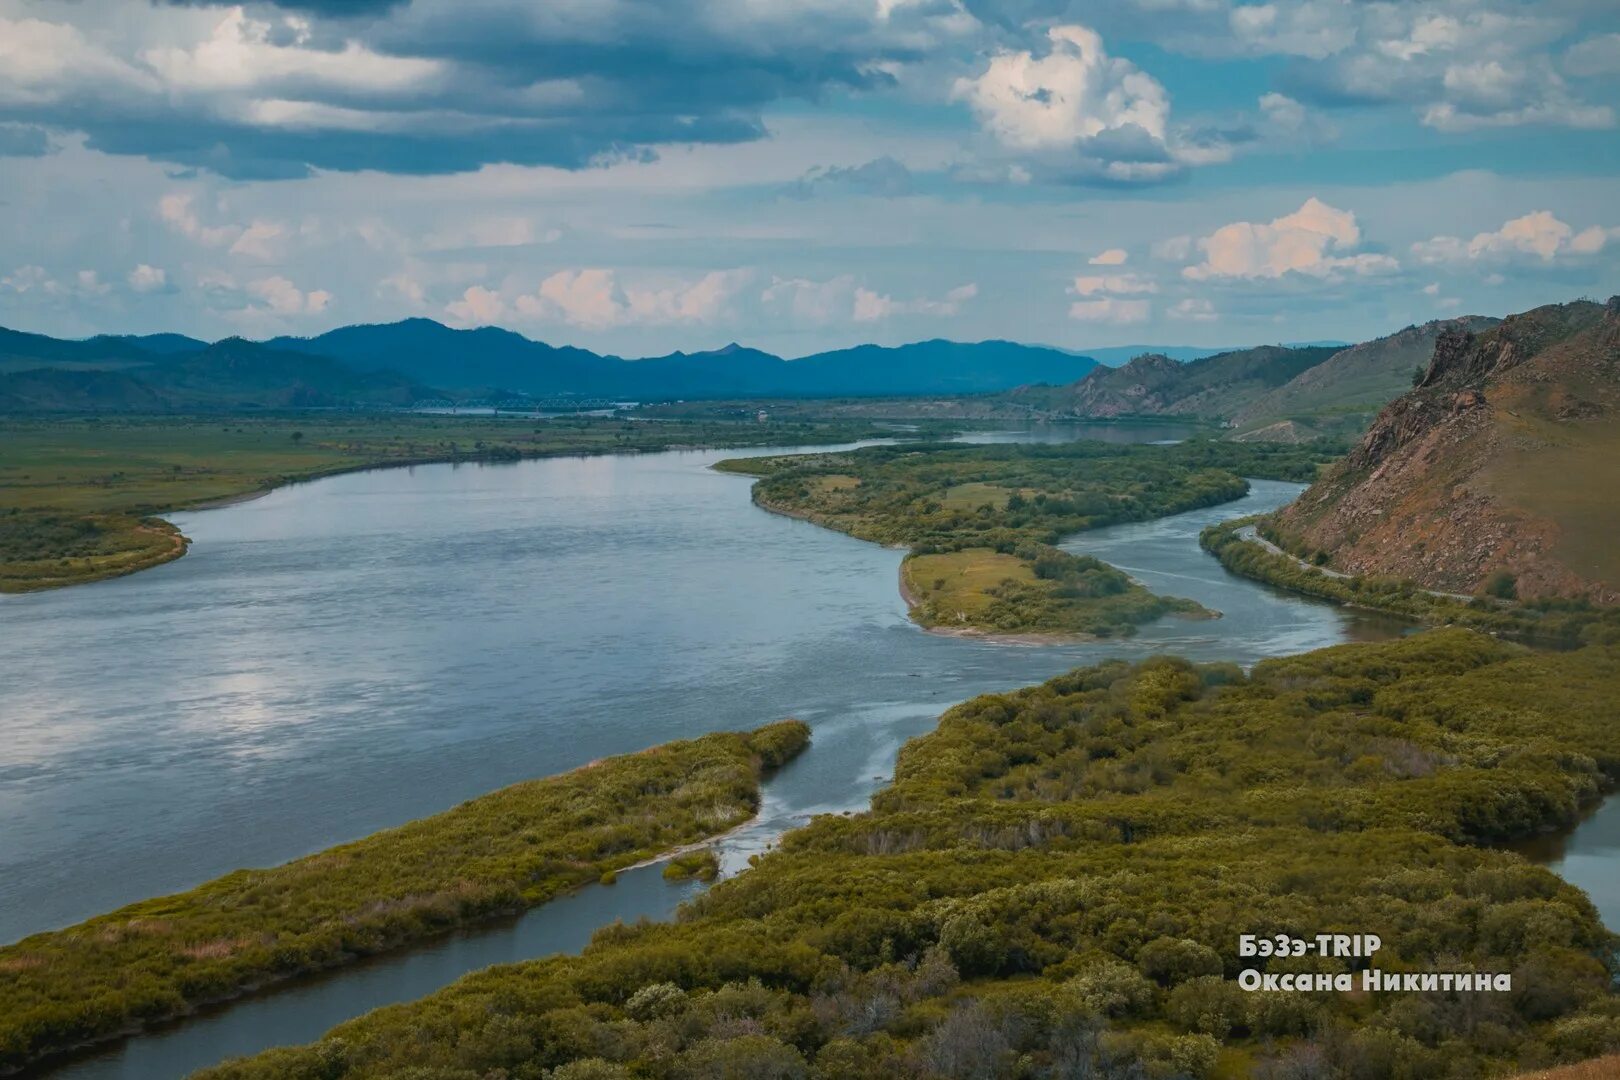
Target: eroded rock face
[[1410, 500]]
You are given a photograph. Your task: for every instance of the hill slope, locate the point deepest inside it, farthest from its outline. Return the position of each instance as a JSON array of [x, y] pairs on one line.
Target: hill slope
[[1504, 460], [1348, 388], [1214, 387]]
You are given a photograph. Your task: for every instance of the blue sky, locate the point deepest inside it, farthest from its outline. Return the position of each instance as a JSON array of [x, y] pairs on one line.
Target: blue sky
[[638, 177]]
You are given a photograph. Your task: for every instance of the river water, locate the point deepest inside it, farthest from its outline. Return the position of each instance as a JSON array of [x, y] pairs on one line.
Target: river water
[[345, 655]]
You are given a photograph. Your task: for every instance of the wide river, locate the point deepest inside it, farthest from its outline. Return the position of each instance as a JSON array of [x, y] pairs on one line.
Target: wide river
[[345, 655]]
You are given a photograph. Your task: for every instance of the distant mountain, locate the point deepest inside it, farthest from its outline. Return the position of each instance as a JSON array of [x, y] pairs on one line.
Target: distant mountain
[[460, 360], [933, 367], [1501, 466], [230, 374], [477, 359], [1211, 388], [21, 351], [1344, 392]]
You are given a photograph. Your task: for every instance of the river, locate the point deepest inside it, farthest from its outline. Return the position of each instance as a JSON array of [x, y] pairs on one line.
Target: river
[[341, 656]]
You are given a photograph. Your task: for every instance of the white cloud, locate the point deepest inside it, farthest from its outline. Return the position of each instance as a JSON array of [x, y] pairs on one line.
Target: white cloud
[[1432, 289], [176, 209], [282, 297], [260, 240], [240, 55], [1596, 56], [1083, 109], [594, 299], [1311, 28], [26, 279], [1076, 91], [1316, 240], [1111, 310], [1120, 284], [1537, 235], [146, 279], [1111, 257], [1173, 249], [1194, 309], [871, 307], [1494, 93], [478, 306]]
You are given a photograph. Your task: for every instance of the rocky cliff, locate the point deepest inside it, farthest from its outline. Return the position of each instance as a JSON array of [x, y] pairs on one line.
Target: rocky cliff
[[1502, 465]]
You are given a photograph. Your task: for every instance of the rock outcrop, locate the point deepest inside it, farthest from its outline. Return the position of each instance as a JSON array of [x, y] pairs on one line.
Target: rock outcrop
[[1502, 460]]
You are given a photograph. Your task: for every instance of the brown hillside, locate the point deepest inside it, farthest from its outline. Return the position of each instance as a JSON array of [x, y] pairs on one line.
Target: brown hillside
[[1506, 457]]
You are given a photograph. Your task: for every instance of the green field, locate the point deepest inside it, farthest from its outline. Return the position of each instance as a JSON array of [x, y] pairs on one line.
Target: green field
[[1056, 883], [80, 496], [494, 855]]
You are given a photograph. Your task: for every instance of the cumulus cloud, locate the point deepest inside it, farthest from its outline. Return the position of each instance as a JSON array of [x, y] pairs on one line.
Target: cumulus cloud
[[1537, 235], [1194, 309], [594, 298], [1118, 284], [282, 297], [1078, 112], [872, 307], [36, 280], [478, 306], [1109, 309], [1317, 240], [1111, 257], [148, 279]]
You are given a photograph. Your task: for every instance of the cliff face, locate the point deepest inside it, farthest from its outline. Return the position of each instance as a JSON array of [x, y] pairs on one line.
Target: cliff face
[[1503, 458]]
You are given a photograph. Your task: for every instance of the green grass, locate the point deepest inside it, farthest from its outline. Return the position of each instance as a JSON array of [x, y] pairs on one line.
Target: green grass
[[80, 496], [1057, 879], [494, 855]]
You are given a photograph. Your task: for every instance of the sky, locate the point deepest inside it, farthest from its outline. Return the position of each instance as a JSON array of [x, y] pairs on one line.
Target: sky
[[640, 176]]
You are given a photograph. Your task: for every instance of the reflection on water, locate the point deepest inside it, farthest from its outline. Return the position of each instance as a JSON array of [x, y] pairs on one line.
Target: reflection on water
[[342, 656]]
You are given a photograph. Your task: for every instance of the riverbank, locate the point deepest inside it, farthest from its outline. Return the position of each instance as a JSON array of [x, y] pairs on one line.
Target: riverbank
[[82, 498], [489, 857], [1555, 624], [1062, 874]]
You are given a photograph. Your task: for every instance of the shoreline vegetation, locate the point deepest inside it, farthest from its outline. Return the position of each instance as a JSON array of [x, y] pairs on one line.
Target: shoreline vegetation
[[81, 498], [492, 856], [1551, 623], [1056, 882], [981, 523]]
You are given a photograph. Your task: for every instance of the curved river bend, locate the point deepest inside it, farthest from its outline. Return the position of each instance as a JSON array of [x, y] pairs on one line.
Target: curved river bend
[[346, 655]]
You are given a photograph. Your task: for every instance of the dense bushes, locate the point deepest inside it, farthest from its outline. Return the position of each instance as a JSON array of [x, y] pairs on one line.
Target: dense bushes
[[495, 854], [1055, 884], [1019, 500]]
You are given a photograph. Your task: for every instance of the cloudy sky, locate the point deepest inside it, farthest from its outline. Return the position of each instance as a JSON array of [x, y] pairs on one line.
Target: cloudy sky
[[644, 175]]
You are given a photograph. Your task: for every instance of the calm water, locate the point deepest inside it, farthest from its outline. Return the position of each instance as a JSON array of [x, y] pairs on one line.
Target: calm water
[[1587, 857], [345, 655]]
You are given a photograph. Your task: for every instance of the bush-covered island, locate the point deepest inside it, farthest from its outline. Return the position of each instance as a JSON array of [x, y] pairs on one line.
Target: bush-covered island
[[493, 855], [982, 522], [1056, 883]]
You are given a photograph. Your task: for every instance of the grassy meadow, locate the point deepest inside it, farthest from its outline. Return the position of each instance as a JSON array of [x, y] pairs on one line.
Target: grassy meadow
[[493, 855], [1055, 884], [81, 497]]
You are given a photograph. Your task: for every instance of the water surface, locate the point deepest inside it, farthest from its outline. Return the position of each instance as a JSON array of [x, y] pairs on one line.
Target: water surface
[[345, 655]]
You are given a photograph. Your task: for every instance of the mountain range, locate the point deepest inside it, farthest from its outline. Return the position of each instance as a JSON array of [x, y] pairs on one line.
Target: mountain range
[[395, 363], [1498, 469]]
